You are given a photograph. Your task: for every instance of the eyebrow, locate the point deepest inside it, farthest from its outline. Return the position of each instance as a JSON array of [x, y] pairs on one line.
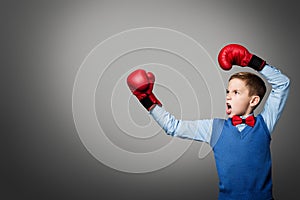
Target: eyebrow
[[234, 90]]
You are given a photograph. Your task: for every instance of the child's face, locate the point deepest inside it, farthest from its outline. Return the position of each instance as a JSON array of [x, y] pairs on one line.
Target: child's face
[[238, 101]]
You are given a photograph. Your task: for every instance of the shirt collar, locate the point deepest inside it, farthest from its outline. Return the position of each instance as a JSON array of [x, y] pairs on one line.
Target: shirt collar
[[244, 117]]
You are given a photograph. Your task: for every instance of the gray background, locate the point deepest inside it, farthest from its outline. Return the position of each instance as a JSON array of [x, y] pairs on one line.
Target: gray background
[[43, 43]]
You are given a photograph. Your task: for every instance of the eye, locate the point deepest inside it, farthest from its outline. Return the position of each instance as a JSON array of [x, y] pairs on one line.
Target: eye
[[236, 92], [227, 91]]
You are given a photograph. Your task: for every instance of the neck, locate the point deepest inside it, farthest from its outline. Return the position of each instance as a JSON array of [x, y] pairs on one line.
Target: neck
[[246, 115], [243, 115]]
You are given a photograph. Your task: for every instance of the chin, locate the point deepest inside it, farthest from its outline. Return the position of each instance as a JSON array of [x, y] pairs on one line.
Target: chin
[[230, 115]]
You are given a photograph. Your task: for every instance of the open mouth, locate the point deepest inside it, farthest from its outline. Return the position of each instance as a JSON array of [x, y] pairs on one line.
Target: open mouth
[[228, 108]]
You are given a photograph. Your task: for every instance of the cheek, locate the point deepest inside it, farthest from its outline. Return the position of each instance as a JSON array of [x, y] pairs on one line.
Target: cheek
[[240, 103]]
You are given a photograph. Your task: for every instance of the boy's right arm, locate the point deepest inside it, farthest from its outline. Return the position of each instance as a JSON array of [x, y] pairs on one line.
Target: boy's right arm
[[200, 130], [141, 85]]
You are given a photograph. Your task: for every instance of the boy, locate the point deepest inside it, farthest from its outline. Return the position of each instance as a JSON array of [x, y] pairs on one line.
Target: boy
[[241, 143]]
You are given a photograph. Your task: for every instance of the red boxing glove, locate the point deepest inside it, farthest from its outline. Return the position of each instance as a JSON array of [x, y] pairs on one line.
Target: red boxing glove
[[234, 54], [141, 85]]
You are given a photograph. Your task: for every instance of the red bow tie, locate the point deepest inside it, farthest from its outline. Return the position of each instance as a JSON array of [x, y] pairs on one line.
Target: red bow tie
[[250, 121]]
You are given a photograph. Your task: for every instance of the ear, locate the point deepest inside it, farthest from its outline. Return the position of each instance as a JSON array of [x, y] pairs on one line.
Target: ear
[[254, 101]]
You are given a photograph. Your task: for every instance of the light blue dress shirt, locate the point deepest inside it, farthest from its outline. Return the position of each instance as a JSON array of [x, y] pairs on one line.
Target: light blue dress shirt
[[201, 130]]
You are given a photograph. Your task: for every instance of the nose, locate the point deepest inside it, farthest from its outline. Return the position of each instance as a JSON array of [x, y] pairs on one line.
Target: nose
[[228, 97]]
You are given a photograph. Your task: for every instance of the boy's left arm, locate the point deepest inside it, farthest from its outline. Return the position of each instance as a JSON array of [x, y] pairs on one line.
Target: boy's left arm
[[235, 54], [277, 98]]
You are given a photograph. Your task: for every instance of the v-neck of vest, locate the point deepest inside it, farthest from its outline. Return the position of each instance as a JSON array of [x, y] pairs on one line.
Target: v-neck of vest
[[240, 134]]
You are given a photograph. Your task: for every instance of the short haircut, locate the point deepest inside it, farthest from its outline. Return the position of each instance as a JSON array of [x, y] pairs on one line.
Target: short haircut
[[255, 84]]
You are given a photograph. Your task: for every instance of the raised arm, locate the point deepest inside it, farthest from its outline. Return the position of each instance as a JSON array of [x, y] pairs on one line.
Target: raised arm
[[234, 54], [199, 130], [277, 98], [141, 85]]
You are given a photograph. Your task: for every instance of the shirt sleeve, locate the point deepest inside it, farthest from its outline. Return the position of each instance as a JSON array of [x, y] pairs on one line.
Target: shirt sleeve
[[277, 98], [200, 130]]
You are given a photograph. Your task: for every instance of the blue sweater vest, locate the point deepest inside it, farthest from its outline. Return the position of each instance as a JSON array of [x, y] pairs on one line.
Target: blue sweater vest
[[243, 160]]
